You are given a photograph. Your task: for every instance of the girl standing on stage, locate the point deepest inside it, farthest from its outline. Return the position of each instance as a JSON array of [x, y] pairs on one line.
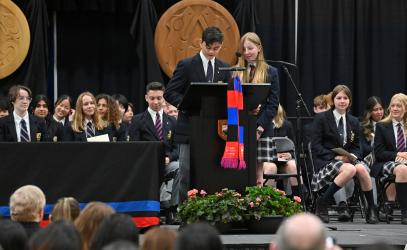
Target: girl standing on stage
[[336, 128], [258, 71]]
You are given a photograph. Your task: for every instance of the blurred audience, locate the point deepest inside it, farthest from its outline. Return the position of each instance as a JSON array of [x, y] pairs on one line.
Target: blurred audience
[[12, 235], [159, 238], [66, 208]]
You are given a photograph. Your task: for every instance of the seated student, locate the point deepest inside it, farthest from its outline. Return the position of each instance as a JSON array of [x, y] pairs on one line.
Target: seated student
[[20, 126], [86, 122], [3, 107], [154, 125], [27, 207], [40, 108], [124, 107], [283, 128], [63, 111], [390, 149], [338, 129], [109, 112], [128, 115]]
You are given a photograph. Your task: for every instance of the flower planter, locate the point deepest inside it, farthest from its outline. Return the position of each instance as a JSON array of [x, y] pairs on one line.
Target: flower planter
[[266, 225]]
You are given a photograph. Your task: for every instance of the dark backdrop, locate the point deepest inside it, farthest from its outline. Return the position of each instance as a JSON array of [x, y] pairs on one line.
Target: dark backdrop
[[107, 45]]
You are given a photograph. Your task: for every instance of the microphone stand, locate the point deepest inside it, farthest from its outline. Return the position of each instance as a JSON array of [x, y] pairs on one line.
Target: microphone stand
[[300, 103]]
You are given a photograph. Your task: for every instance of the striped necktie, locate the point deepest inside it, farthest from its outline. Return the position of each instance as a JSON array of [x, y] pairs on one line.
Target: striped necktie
[[24, 137], [159, 126], [90, 132], [401, 144]]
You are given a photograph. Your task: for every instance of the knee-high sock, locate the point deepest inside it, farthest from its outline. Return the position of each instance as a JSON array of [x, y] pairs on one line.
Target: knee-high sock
[[333, 188], [369, 198], [401, 190]]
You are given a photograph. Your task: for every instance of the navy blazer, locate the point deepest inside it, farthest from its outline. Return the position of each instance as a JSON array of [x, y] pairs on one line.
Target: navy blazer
[[71, 135], [269, 106], [142, 129], [187, 71], [38, 129], [385, 148], [325, 137]]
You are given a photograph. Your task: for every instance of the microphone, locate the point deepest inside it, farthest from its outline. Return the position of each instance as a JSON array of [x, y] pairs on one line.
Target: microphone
[[238, 54]]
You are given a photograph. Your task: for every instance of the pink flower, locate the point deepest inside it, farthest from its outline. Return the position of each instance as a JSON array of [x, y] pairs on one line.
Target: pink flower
[[258, 199], [297, 199], [280, 191], [203, 193], [192, 193], [251, 204]]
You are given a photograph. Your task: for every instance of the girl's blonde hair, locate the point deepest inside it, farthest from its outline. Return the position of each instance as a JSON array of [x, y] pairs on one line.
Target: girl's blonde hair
[[403, 99], [280, 117], [79, 118], [261, 74]]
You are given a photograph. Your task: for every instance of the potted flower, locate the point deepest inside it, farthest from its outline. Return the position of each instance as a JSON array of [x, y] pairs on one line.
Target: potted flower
[[267, 207], [221, 208]]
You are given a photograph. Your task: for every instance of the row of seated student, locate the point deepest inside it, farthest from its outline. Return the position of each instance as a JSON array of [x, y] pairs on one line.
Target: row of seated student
[[107, 114], [378, 143]]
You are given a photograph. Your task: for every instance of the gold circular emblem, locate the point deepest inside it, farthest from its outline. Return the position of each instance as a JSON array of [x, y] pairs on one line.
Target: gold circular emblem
[[179, 31], [14, 38]]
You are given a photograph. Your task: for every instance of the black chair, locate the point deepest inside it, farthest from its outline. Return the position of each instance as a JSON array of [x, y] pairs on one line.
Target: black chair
[[384, 205], [285, 144]]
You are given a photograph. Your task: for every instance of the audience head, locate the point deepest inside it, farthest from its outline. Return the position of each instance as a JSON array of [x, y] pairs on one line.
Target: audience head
[[3, 107], [12, 236], [90, 219], [128, 115], [212, 39], [122, 102], [198, 236], [60, 235], [397, 108], [66, 208], [159, 238], [116, 227], [20, 97], [374, 109], [155, 95], [63, 107], [341, 98], [300, 232], [108, 110], [121, 245], [40, 106], [27, 204]]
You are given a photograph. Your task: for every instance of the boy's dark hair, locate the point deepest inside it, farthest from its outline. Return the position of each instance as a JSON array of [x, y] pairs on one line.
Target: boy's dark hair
[[15, 91], [212, 35], [122, 100], [155, 86], [3, 103]]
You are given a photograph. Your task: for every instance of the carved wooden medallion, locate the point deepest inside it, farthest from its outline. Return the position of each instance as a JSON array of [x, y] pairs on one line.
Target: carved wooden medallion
[[14, 38], [179, 31]]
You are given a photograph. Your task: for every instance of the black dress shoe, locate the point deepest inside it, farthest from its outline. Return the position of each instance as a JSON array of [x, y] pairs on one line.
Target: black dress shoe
[[371, 215], [171, 219], [343, 212], [322, 210]]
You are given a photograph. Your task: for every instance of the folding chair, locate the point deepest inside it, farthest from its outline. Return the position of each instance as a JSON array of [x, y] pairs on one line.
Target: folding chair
[[285, 144], [383, 205]]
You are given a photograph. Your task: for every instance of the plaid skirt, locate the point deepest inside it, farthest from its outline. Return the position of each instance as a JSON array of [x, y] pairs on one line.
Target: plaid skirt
[[327, 174], [266, 150], [388, 169]]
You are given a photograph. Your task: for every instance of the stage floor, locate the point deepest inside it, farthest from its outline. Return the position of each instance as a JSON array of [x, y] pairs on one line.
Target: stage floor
[[349, 235]]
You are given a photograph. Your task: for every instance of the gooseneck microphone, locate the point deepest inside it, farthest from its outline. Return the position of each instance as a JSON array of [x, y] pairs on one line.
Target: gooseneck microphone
[[238, 54]]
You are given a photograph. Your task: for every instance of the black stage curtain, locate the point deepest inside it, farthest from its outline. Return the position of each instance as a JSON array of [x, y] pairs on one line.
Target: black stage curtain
[[361, 43], [105, 47], [33, 71]]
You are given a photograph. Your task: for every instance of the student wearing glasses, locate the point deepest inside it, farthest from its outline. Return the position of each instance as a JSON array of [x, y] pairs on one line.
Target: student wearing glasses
[[20, 126]]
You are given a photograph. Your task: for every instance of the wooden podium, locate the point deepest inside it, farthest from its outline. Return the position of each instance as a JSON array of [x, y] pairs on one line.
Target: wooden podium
[[205, 104]]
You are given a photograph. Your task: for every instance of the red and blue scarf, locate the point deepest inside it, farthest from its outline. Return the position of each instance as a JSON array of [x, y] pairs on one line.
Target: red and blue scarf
[[233, 156]]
